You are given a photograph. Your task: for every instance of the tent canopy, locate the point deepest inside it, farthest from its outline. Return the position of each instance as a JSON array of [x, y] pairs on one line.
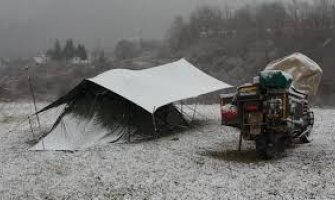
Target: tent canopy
[[305, 72], [155, 87]]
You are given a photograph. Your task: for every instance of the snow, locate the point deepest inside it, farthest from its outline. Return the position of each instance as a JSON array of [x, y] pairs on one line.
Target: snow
[[200, 163]]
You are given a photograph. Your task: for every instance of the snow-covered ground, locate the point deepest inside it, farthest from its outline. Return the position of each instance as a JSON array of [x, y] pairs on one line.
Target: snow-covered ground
[[201, 163]]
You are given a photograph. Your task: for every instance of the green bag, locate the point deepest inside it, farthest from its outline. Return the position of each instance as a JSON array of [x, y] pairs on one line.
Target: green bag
[[275, 79]]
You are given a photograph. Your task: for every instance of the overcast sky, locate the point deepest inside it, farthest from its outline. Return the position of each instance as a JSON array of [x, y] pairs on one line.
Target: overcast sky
[[27, 26]]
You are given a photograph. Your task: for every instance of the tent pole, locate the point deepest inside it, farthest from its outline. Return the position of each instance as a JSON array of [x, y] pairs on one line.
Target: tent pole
[[195, 109], [33, 97], [34, 101], [129, 122], [154, 123]]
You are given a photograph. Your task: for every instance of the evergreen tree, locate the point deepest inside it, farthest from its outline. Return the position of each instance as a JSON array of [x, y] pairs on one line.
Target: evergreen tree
[[69, 50], [56, 52], [81, 52], [84, 53]]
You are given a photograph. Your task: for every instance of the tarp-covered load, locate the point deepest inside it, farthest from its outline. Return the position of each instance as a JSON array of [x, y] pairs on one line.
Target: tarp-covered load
[[305, 72], [275, 79], [122, 102]]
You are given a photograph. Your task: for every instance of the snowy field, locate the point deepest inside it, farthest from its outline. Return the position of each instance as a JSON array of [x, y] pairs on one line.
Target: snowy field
[[201, 163]]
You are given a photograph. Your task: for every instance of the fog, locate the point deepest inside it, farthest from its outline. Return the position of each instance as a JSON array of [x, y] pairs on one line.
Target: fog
[[30, 26]]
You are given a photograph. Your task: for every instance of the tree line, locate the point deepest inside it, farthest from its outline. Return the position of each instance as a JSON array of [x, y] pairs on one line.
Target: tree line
[[68, 52], [234, 45]]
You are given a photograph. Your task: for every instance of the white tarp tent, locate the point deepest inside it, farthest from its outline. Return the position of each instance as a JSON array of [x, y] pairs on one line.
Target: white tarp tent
[[305, 72], [158, 86], [92, 115]]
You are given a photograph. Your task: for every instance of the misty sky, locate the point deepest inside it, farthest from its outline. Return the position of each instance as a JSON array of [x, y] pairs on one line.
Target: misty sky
[[28, 26]]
